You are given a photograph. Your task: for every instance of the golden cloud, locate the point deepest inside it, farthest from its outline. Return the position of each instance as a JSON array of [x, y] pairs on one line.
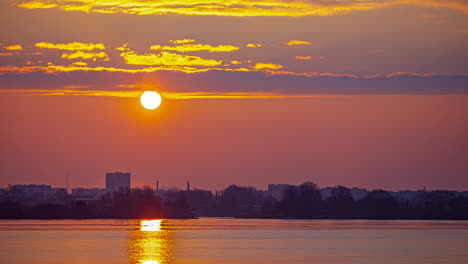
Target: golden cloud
[[304, 57], [85, 55], [73, 46], [6, 54], [329, 74], [181, 41], [221, 95], [262, 67], [167, 59], [240, 8], [14, 47], [76, 86], [52, 69], [271, 66], [252, 45], [79, 63], [73, 90], [297, 42], [196, 47]]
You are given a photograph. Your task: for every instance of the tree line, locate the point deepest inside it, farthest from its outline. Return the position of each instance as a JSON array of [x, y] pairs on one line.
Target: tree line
[[303, 202], [306, 201], [125, 204]]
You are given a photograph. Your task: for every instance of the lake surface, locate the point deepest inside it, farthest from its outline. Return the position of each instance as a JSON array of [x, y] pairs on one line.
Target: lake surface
[[225, 240]]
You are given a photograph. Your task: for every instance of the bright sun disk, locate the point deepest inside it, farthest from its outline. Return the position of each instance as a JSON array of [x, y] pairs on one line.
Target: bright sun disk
[[150, 100]]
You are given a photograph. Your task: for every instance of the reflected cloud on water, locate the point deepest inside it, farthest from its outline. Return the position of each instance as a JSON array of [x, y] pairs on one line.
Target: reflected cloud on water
[[151, 243]]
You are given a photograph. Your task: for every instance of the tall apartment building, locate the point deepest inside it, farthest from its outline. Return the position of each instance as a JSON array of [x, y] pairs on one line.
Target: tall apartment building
[[116, 181]]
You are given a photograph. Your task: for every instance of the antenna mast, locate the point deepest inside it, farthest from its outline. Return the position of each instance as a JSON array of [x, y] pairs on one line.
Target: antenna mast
[[68, 180]]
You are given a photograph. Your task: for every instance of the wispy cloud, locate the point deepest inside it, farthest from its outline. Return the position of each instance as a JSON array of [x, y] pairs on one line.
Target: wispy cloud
[[79, 64], [80, 90], [165, 58], [181, 41], [236, 62], [239, 8], [196, 47], [172, 63], [304, 57], [224, 95], [71, 91], [13, 47], [219, 84], [297, 42], [262, 66], [76, 86], [253, 45], [73, 46], [85, 55]]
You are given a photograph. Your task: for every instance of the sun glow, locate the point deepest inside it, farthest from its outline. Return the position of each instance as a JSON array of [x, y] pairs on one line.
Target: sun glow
[[150, 100]]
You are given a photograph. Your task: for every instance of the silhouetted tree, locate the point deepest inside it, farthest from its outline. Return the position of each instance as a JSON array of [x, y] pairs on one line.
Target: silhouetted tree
[[378, 204], [290, 205], [310, 200], [179, 207], [438, 204], [234, 198], [341, 203], [48, 211], [459, 208], [11, 210], [305, 201]]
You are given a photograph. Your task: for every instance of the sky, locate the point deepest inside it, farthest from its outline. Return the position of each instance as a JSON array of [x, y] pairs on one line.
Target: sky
[[371, 94]]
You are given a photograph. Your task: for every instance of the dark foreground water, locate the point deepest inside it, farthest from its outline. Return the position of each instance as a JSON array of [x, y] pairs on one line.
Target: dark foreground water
[[224, 240]]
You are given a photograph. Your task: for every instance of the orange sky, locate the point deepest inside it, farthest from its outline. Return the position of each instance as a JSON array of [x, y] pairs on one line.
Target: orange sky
[[358, 93], [370, 141]]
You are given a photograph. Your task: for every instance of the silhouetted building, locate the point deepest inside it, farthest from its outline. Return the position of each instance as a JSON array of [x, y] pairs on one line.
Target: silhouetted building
[[116, 181], [34, 189], [95, 193]]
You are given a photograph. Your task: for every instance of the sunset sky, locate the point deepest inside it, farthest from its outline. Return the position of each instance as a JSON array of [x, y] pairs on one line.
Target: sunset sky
[[371, 94]]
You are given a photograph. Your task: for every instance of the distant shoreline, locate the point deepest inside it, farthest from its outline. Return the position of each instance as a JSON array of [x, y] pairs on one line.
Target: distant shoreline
[[246, 217]]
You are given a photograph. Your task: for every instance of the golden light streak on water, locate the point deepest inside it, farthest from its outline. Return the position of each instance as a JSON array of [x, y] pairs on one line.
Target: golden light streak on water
[[151, 244]]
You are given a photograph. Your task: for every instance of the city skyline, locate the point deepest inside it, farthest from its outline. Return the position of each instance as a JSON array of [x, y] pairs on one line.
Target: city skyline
[[280, 201], [156, 185]]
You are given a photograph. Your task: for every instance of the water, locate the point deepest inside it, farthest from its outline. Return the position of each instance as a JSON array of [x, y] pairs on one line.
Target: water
[[225, 240]]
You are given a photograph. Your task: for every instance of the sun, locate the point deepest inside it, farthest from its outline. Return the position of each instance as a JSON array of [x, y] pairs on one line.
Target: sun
[[150, 100]]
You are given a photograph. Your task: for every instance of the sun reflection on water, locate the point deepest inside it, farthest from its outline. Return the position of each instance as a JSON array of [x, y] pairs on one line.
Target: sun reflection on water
[[150, 225], [151, 262], [151, 243]]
